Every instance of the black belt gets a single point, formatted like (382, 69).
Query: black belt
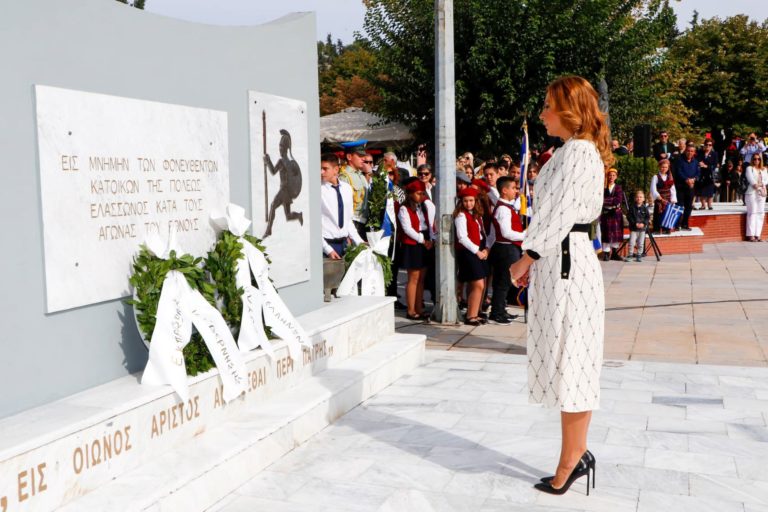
(335, 240)
(565, 258)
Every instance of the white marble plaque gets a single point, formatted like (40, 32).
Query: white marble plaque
(279, 181)
(113, 169)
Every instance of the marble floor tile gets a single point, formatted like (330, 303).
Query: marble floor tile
(410, 500)
(318, 494)
(725, 445)
(648, 439)
(273, 485)
(601, 499)
(748, 432)
(422, 476)
(658, 424)
(714, 413)
(653, 501)
(707, 464)
(646, 409)
(752, 468)
(492, 505)
(252, 503)
(725, 488)
(639, 477)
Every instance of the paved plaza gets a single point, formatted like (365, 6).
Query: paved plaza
(682, 424)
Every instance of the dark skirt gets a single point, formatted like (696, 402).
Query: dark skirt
(414, 257)
(705, 190)
(471, 268)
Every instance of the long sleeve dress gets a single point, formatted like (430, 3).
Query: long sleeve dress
(566, 315)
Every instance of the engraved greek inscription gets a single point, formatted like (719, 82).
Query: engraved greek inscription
(155, 185)
(319, 351)
(69, 163)
(193, 205)
(218, 394)
(101, 449)
(146, 164)
(257, 378)
(186, 224)
(166, 206)
(190, 185)
(30, 482)
(108, 163)
(173, 417)
(284, 366)
(117, 232)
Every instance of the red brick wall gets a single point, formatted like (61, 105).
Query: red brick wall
(716, 228)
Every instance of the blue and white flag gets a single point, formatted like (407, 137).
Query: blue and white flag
(671, 217)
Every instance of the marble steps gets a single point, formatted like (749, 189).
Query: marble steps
(198, 472)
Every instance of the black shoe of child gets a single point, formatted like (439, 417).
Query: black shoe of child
(500, 319)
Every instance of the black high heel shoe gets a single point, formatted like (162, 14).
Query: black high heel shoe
(579, 471)
(586, 463)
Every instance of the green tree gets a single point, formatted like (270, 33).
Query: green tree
(505, 54)
(724, 62)
(139, 4)
(343, 71)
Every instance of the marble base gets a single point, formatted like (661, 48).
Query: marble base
(123, 446)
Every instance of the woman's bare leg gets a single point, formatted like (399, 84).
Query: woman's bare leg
(575, 426)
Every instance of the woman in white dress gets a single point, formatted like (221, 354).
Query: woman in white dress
(754, 197)
(565, 298)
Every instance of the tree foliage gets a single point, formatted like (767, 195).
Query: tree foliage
(139, 4)
(506, 52)
(723, 63)
(343, 71)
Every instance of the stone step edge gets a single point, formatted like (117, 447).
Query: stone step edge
(173, 480)
(316, 322)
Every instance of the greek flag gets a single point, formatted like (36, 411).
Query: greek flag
(525, 157)
(672, 215)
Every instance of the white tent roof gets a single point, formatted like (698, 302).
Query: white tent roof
(354, 124)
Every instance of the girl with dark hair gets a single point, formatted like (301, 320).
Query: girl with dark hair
(471, 251)
(414, 222)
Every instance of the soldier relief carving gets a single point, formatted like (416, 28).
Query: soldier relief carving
(279, 163)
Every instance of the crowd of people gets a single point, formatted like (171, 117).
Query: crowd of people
(489, 227)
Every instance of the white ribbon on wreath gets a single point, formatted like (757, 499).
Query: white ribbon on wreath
(366, 268)
(180, 307)
(262, 300)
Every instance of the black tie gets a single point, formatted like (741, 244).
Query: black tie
(341, 205)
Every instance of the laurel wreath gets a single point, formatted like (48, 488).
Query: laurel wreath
(386, 263)
(213, 277)
(221, 265)
(147, 279)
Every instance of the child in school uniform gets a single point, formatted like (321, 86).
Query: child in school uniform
(506, 249)
(417, 238)
(638, 218)
(471, 252)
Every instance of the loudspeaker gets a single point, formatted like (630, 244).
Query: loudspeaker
(641, 137)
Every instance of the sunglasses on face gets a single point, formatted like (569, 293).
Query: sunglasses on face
(424, 174)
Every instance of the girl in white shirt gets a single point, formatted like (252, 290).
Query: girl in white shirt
(471, 251)
(414, 221)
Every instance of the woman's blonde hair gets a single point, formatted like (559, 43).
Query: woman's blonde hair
(575, 102)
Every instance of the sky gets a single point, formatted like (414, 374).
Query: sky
(342, 18)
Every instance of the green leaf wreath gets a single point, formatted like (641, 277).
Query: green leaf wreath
(377, 201)
(386, 263)
(149, 272)
(221, 264)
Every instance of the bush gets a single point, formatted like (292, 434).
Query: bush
(635, 174)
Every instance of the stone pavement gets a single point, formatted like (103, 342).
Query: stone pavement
(457, 434)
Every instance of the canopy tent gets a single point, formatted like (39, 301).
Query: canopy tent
(354, 123)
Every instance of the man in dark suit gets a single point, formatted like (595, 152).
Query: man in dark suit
(663, 148)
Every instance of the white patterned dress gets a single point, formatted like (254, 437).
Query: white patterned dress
(566, 315)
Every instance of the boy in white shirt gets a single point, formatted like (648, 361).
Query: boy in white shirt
(509, 234)
(336, 208)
